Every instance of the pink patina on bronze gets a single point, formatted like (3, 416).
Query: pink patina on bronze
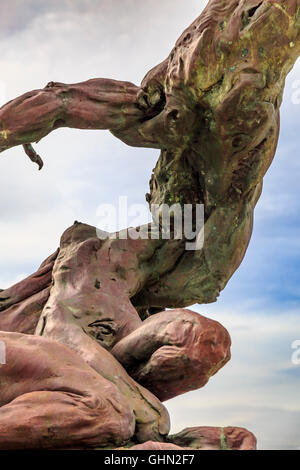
(91, 349)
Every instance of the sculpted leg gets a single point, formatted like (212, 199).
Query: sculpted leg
(174, 352)
(50, 398)
(151, 417)
(60, 420)
(204, 438)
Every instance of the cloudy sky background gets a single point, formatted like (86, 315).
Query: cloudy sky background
(71, 41)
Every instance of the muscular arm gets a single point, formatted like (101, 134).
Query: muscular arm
(95, 104)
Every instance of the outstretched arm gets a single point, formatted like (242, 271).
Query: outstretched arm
(95, 104)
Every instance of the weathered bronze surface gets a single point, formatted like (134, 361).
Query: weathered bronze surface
(91, 350)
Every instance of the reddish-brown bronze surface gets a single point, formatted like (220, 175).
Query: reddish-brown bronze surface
(91, 350)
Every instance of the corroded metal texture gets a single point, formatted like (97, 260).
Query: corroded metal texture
(86, 367)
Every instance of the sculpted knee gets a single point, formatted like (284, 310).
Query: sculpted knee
(174, 351)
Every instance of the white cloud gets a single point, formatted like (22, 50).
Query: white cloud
(258, 389)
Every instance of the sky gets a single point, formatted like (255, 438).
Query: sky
(71, 41)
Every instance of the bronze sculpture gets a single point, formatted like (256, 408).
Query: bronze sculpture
(213, 109)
